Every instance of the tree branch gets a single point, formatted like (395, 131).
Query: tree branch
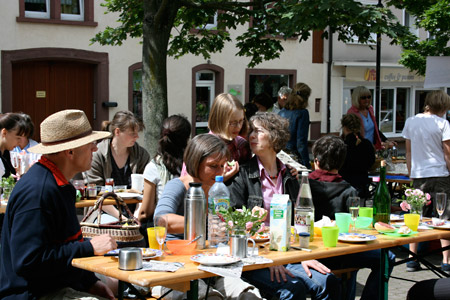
(161, 11)
(229, 6)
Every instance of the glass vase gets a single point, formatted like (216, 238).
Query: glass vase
(417, 209)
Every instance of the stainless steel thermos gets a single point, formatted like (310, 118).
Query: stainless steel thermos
(195, 214)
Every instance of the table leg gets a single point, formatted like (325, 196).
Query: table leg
(384, 274)
(192, 294)
(121, 289)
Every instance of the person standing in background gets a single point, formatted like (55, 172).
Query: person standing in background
(295, 111)
(283, 94)
(263, 101)
(12, 129)
(427, 137)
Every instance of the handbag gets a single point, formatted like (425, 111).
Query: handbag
(125, 232)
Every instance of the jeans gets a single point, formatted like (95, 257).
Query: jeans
(368, 259)
(319, 286)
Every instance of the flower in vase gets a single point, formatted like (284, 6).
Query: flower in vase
(414, 199)
(243, 219)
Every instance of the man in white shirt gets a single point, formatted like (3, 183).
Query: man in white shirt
(428, 158)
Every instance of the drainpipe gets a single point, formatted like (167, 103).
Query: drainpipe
(330, 63)
(377, 79)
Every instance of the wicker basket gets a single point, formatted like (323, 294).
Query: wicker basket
(122, 231)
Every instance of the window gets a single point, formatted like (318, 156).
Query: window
(355, 40)
(37, 9)
(70, 12)
(137, 93)
(394, 108)
(212, 23)
(410, 22)
(204, 91)
(269, 81)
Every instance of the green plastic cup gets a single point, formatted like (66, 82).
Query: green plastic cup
(366, 212)
(330, 236)
(343, 221)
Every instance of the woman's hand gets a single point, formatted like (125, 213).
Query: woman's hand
(314, 264)
(294, 171)
(388, 144)
(230, 170)
(278, 271)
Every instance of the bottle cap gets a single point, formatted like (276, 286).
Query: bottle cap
(305, 173)
(304, 234)
(219, 178)
(383, 163)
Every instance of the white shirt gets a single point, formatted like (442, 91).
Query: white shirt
(426, 133)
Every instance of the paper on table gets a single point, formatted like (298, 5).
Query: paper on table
(161, 266)
(233, 270)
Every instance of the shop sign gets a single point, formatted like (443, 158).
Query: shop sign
(387, 75)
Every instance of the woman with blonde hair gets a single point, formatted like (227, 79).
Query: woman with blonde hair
(295, 111)
(362, 107)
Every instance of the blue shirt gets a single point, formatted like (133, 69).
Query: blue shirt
(369, 127)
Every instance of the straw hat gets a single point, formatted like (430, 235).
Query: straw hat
(66, 129)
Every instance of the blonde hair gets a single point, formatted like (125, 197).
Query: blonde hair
(221, 111)
(298, 98)
(357, 93)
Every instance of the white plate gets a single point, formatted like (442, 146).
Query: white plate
(356, 237)
(213, 259)
(126, 195)
(445, 226)
(259, 238)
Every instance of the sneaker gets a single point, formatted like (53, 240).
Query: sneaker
(445, 268)
(413, 266)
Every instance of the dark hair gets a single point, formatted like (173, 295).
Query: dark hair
(199, 148)
(276, 125)
(330, 152)
(175, 132)
(250, 109)
(123, 120)
(264, 99)
(13, 121)
(352, 122)
(26, 126)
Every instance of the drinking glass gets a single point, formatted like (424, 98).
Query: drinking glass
(354, 210)
(441, 203)
(160, 223)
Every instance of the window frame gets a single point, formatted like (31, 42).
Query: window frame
(411, 18)
(291, 73)
(86, 17)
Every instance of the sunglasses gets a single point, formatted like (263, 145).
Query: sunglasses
(365, 97)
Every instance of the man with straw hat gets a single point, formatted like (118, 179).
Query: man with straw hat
(41, 233)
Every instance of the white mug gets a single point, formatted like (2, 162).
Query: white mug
(137, 182)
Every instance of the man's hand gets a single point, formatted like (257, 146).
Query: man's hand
(103, 243)
(279, 271)
(314, 264)
(102, 290)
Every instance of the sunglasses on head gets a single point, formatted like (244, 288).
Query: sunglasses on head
(365, 97)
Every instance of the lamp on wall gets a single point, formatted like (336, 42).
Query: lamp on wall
(109, 104)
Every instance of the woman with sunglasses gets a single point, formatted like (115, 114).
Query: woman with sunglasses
(362, 107)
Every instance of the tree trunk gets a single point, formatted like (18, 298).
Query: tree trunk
(158, 22)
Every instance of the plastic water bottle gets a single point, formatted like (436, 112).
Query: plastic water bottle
(219, 196)
(304, 209)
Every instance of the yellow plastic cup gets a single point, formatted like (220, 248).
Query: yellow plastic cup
(330, 236)
(412, 221)
(152, 242)
(366, 212)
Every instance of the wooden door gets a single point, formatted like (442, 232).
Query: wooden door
(43, 87)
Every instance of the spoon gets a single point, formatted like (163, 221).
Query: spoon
(199, 236)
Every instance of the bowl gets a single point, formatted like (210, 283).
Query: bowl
(363, 222)
(181, 247)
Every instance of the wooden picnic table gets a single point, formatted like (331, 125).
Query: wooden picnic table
(91, 202)
(185, 278)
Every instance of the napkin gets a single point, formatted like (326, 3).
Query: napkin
(161, 266)
(324, 222)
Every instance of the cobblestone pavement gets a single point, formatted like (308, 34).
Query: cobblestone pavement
(401, 281)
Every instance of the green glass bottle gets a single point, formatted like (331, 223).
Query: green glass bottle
(382, 198)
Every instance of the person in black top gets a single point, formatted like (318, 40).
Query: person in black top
(12, 128)
(360, 155)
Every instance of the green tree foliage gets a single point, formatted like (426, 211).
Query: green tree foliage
(434, 17)
(166, 29)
